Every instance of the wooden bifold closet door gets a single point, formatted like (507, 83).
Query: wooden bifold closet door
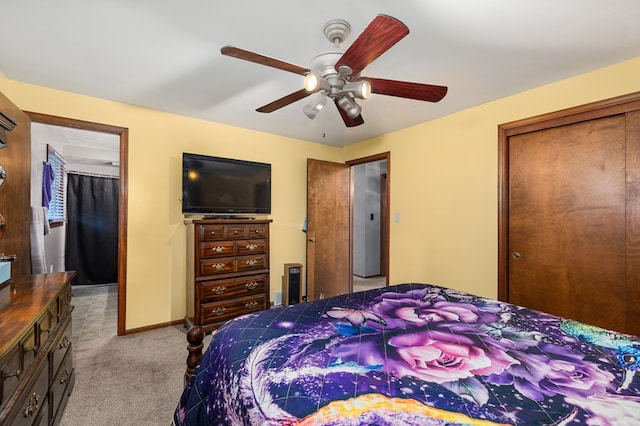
(569, 226)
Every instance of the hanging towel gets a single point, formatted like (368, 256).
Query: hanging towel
(39, 227)
(47, 182)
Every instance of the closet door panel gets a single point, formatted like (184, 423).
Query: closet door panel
(567, 221)
(633, 223)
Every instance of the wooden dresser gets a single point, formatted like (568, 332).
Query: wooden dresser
(227, 270)
(36, 370)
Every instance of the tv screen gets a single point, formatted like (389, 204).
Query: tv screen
(225, 186)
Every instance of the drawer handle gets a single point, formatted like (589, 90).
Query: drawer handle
(252, 246)
(217, 266)
(218, 249)
(213, 232)
(64, 343)
(65, 377)
(257, 231)
(218, 311)
(17, 374)
(218, 290)
(32, 406)
(252, 285)
(252, 262)
(33, 349)
(235, 232)
(251, 305)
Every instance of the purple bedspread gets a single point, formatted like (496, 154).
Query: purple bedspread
(413, 354)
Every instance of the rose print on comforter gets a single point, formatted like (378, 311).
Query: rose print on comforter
(413, 354)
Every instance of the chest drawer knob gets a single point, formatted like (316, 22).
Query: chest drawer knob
(251, 285)
(218, 311)
(218, 290)
(17, 374)
(65, 377)
(251, 305)
(34, 349)
(252, 262)
(217, 266)
(218, 249)
(252, 246)
(32, 406)
(64, 343)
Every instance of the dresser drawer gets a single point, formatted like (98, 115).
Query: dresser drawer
(227, 289)
(34, 401)
(222, 311)
(211, 232)
(249, 263)
(10, 372)
(29, 347)
(217, 266)
(258, 230)
(61, 347)
(210, 250)
(62, 383)
(234, 232)
(251, 247)
(64, 304)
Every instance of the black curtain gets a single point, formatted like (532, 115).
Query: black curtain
(92, 229)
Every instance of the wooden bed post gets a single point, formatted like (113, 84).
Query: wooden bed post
(195, 336)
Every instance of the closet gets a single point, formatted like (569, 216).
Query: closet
(569, 213)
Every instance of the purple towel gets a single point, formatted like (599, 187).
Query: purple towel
(47, 181)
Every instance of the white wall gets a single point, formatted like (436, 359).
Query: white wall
(366, 242)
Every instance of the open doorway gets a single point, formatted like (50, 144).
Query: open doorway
(369, 179)
(95, 154)
(330, 226)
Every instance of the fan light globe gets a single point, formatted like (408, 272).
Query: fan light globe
(313, 108)
(311, 82)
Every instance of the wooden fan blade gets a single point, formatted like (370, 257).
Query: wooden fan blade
(348, 121)
(381, 33)
(405, 89)
(284, 101)
(263, 60)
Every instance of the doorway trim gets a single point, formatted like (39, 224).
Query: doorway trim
(594, 110)
(123, 134)
(385, 245)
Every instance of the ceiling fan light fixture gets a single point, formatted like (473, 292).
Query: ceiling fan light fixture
(349, 105)
(315, 106)
(314, 83)
(358, 89)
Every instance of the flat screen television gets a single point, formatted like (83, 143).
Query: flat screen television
(224, 186)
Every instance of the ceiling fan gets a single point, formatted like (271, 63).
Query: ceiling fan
(336, 74)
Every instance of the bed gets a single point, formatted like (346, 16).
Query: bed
(412, 354)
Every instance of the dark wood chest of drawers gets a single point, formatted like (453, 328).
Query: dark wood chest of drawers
(36, 364)
(227, 271)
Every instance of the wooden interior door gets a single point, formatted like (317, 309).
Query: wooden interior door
(569, 213)
(15, 201)
(567, 221)
(329, 267)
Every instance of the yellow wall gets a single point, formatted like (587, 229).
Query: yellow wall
(156, 268)
(443, 185)
(444, 180)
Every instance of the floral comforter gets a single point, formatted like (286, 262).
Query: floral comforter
(413, 354)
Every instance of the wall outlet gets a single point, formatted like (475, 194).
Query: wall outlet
(277, 298)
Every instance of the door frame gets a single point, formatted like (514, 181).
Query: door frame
(384, 247)
(594, 110)
(123, 134)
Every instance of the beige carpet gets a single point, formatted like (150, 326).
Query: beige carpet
(128, 380)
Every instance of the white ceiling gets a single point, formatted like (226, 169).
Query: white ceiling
(165, 55)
